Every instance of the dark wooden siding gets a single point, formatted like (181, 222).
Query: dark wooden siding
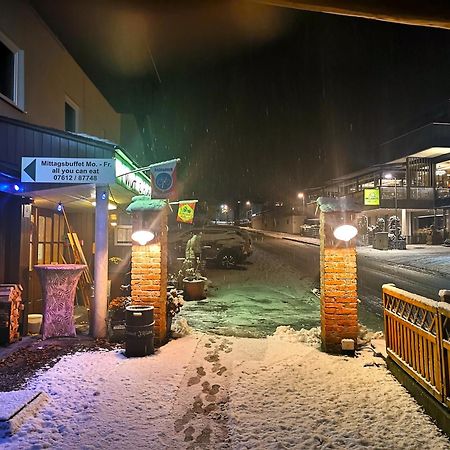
(10, 214)
(19, 139)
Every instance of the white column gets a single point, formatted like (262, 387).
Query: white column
(406, 223)
(99, 306)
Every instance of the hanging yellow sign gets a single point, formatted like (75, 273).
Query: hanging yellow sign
(372, 197)
(186, 212)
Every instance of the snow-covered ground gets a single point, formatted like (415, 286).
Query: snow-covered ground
(254, 299)
(424, 258)
(205, 391)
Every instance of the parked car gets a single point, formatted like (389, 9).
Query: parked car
(224, 245)
(310, 228)
(248, 250)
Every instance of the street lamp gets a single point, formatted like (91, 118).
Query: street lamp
(389, 176)
(301, 196)
(224, 210)
(248, 203)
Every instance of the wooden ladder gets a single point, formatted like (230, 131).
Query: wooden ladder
(86, 282)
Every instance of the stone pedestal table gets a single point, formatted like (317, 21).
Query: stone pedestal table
(59, 284)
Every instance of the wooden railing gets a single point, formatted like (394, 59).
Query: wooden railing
(444, 326)
(417, 332)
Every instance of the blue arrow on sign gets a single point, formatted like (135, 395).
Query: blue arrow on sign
(30, 170)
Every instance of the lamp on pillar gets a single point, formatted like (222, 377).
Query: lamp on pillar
(345, 232)
(149, 259)
(143, 237)
(338, 281)
(143, 227)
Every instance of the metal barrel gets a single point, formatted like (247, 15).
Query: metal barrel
(139, 335)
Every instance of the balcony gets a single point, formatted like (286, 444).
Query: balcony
(442, 197)
(419, 197)
(388, 193)
(421, 193)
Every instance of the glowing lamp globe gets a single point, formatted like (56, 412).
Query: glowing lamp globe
(142, 237)
(345, 232)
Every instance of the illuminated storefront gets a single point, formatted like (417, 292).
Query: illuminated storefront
(35, 217)
(415, 185)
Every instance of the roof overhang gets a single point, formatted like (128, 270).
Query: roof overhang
(79, 198)
(413, 12)
(430, 141)
(36, 141)
(432, 152)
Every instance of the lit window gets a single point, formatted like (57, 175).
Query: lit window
(442, 175)
(70, 116)
(11, 72)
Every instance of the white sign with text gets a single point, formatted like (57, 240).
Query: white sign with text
(68, 170)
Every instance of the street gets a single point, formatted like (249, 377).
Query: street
(420, 270)
(275, 285)
(423, 271)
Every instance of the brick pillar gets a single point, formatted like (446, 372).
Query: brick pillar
(338, 285)
(149, 275)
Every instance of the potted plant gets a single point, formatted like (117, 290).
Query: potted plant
(194, 285)
(190, 279)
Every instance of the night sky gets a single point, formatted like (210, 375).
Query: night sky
(267, 120)
(306, 108)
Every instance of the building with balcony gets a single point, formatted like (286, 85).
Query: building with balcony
(414, 184)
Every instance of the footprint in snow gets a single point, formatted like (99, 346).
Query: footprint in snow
(197, 406)
(210, 408)
(204, 437)
(193, 380)
(221, 370)
(189, 434)
(187, 417)
(214, 389)
(214, 357)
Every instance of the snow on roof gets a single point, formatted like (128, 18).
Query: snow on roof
(94, 138)
(332, 204)
(145, 203)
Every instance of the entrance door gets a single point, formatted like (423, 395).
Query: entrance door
(46, 247)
